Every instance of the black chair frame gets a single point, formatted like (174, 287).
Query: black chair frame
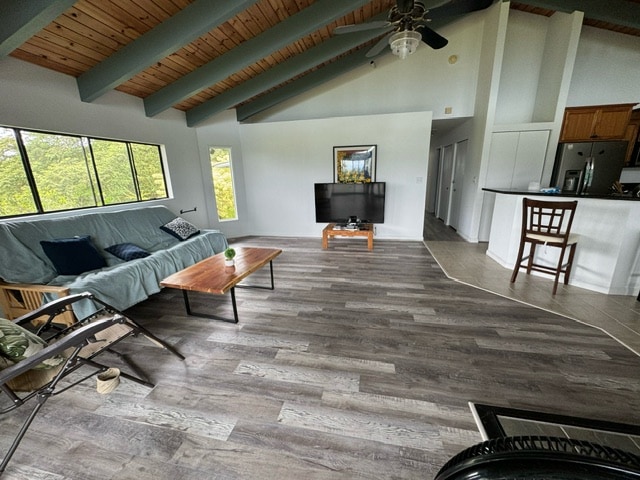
(75, 338)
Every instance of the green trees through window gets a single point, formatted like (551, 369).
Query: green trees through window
(223, 183)
(15, 192)
(46, 172)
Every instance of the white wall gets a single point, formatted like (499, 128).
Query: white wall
(477, 130)
(521, 66)
(371, 104)
(224, 131)
(607, 69)
(275, 164)
(425, 81)
(36, 98)
(282, 161)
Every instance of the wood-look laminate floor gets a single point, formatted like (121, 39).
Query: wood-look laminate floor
(358, 365)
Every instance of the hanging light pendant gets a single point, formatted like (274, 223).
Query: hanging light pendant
(404, 43)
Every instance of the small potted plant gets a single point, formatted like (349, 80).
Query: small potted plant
(229, 255)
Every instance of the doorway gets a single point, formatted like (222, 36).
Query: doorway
(457, 183)
(444, 184)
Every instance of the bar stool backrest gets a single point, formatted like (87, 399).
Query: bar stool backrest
(548, 218)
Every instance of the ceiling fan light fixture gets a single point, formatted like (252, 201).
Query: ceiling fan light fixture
(404, 43)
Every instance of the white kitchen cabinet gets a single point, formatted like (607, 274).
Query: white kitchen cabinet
(516, 158)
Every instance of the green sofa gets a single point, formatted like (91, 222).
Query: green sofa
(28, 273)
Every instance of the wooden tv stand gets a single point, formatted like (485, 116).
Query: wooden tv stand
(364, 230)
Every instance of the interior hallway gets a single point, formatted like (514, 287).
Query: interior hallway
(617, 315)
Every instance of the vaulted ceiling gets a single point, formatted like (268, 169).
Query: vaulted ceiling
(206, 56)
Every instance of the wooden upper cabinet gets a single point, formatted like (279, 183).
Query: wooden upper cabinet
(599, 122)
(578, 124)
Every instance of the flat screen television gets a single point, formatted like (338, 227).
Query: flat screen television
(341, 202)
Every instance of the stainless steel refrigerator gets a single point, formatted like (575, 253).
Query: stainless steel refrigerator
(588, 167)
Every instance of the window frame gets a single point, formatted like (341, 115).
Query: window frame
(233, 183)
(93, 178)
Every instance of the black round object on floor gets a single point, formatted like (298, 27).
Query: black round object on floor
(541, 458)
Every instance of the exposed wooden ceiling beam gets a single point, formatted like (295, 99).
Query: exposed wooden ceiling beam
(251, 51)
(169, 36)
(280, 73)
(619, 12)
(315, 79)
(309, 81)
(21, 19)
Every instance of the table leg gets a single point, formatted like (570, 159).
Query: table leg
(187, 306)
(272, 287)
(186, 302)
(233, 303)
(232, 292)
(271, 272)
(370, 240)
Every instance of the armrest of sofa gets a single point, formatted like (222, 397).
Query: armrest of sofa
(18, 299)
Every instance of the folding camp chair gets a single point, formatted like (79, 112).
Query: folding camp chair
(59, 351)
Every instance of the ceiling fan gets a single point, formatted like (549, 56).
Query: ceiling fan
(408, 21)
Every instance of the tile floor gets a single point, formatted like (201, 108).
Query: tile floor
(617, 315)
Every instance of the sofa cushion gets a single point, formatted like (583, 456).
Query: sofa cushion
(22, 259)
(127, 251)
(73, 256)
(124, 284)
(121, 283)
(18, 343)
(180, 228)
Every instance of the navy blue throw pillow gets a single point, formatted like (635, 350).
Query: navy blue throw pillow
(127, 251)
(73, 256)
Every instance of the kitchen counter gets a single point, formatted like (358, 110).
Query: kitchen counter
(608, 255)
(611, 196)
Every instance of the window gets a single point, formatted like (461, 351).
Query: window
(114, 168)
(44, 172)
(223, 183)
(15, 191)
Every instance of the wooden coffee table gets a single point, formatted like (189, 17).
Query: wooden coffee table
(212, 276)
(365, 230)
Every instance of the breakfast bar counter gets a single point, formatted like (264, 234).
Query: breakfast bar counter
(608, 255)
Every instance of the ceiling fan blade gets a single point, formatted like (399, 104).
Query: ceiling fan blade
(432, 38)
(459, 7)
(378, 47)
(359, 27)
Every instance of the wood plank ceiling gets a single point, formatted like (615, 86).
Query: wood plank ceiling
(216, 68)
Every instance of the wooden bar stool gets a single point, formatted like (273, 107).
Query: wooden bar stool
(547, 223)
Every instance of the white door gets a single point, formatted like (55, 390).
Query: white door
(457, 183)
(444, 185)
(432, 181)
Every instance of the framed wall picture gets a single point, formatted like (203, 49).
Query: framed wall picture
(354, 164)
